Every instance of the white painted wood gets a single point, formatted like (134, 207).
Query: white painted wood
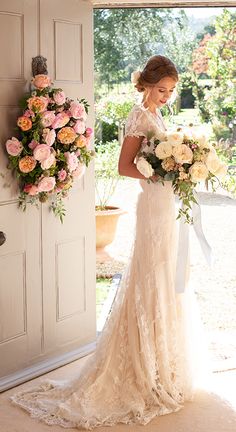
(69, 249)
(47, 270)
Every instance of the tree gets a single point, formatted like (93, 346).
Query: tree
(125, 38)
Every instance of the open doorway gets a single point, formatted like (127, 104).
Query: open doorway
(202, 43)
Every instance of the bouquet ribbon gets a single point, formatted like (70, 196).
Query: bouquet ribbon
(183, 247)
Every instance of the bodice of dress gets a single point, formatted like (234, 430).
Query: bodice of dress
(142, 122)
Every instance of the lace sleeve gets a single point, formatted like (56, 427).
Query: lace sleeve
(137, 123)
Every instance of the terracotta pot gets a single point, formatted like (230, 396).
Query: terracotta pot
(106, 223)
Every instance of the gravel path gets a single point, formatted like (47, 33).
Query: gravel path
(215, 287)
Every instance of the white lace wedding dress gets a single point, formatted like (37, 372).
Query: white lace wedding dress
(148, 361)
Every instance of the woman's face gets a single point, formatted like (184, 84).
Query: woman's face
(161, 93)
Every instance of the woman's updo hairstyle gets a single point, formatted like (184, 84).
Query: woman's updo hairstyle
(157, 67)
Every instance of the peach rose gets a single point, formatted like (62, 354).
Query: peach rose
(66, 135)
(41, 81)
(81, 141)
(24, 123)
(27, 164)
(60, 121)
(42, 152)
(14, 147)
(46, 184)
(38, 103)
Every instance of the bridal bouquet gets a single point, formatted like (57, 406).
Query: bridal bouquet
(52, 145)
(184, 157)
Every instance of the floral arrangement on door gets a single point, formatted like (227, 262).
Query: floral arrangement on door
(52, 147)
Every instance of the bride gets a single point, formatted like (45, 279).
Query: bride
(148, 361)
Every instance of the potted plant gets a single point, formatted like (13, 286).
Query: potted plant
(106, 181)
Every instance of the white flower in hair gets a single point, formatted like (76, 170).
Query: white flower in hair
(135, 76)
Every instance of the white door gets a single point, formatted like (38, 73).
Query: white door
(47, 270)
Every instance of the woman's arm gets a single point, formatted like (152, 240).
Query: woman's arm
(129, 150)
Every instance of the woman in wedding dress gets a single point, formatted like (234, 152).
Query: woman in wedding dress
(148, 361)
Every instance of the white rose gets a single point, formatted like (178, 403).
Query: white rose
(135, 76)
(198, 172)
(175, 138)
(163, 150)
(182, 154)
(212, 162)
(221, 171)
(144, 167)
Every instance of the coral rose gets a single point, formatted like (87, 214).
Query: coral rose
(38, 103)
(46, 184)
(66, 135)
(27, 164)
(81, 141)
(14, 147)
(41, 81)
(24, 123)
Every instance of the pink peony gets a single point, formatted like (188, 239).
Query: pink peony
(14, 147)
(49, 136)
(77, 110)
(29, 113)
(79, 171)
(59, 97)
(33, 144)
(88, 132)
(72, 161)
(62, 175)
(46, 184)
(61, 120)
(79, 127)
(42, 152)
(48, 118)
(47, 163)
(41, 81)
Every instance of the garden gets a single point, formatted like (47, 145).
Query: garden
(205, 56)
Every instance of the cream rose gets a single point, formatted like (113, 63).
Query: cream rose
(198, 172)
(182, 154)
(163, 150)
(221, 171)
(144, 167)
(175, 138)
(212, 162)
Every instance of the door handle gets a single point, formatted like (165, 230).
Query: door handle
(2, 238)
